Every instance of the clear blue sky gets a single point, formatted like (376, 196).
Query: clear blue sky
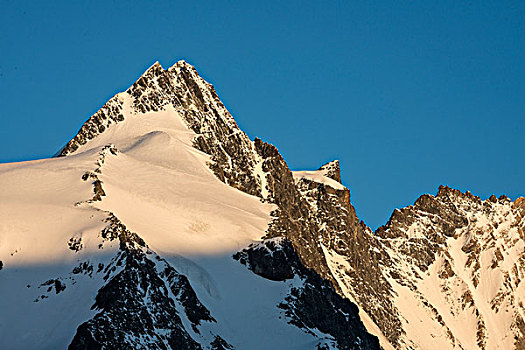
(407, 94)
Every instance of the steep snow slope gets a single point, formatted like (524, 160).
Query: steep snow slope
(183, 207)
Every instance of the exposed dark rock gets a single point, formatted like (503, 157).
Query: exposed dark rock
(98, 190)
(135, 302)
(339, 230)
(446, 271)
(180, 87)
(293, 218)
(275, 259)
(54, 283)
(220, 344)
(440, 209)
(117, 230)
(59, 286)
(503, 198)
(132, 306)
(315, 305)
(75, 243)
(234, 159)
(181, 288)
(99, 122)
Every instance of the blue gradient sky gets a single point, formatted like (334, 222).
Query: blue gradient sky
(407, 95)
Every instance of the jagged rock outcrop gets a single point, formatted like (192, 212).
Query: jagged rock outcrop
(332, 170)
(139, 291)
(256, 168)
(137, 307)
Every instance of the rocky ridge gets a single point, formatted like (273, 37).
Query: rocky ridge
(473, 252)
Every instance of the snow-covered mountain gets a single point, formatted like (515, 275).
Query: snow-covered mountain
(161, 225)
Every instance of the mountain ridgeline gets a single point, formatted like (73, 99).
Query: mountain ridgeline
(286, 264)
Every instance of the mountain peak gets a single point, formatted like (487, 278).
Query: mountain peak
(155, 69)
(156, 65)
(181, 63)
(156, 89)
(332, 170)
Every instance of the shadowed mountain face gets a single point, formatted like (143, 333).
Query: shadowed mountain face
(173, 230)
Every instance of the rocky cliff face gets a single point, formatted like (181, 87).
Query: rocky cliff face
(443, 273)
(450, 269)
(341, 234)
